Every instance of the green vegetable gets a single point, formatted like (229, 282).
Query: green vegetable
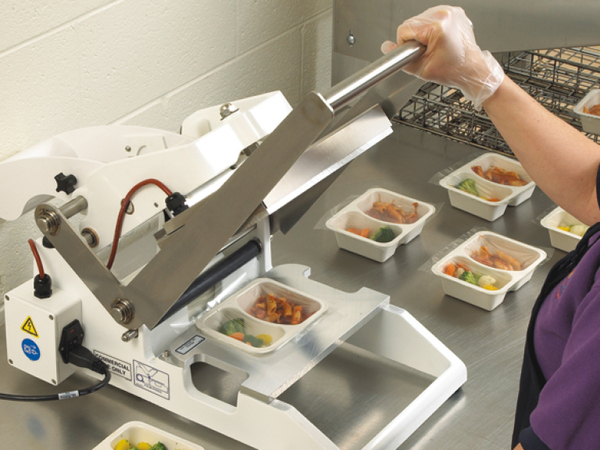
(384, 234)
(158, 446)
(254, 341)
(468, 185)
(233, 326)
(468, 277)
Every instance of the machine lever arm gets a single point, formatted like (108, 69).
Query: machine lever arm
(207, 226)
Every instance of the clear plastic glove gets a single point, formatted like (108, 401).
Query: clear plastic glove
(452, 57)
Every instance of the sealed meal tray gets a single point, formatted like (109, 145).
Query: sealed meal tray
(588, 110)
(485, 267)
(261, 317)
(564, 229)
(377, 222)
(142, 436)
(488, 184)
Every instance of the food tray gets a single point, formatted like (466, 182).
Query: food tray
(589, 122)
(561, 239)
(238, 304)
(506, 195)
(507, 280)
(136, 432)
(354, 216)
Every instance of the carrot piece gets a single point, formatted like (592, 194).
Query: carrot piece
(450, 269)
(239, 336)
(353, 230)
(365, 232)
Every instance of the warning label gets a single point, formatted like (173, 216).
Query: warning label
(151, 379)
(116, 366)
(29, 328)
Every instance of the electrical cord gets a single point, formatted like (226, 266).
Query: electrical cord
(36, 256)
(123, 210)
(81, 357)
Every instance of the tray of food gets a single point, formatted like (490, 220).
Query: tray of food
(588, 110)
(261, 317)
(564, 229)
(377, 222)
(137, 435)
(485, 267)
(488, 184)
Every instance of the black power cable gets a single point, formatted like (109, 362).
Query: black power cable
(72, 352)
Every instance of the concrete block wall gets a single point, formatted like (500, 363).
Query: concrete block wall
(74, 63)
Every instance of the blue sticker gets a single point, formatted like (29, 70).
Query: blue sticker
(31, 350)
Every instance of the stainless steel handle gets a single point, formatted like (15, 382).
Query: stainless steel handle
(344, 92)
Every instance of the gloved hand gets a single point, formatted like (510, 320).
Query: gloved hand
(452, 57)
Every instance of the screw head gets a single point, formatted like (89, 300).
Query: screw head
(122, 310)
(350, 39)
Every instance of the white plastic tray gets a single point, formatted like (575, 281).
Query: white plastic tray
(136, 432)
(589, 122)
(507, 280)
(238, 304)
(561, 239)
(506, 195)
(354, 216)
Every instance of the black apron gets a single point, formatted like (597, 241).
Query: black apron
(532, 379)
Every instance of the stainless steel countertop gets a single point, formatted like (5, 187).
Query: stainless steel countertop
(479, 415)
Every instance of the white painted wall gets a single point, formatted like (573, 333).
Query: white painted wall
(69, 64)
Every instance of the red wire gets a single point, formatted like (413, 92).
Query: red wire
(37, 258)
(121, 216)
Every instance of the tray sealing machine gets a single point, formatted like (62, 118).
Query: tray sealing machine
(248, 169)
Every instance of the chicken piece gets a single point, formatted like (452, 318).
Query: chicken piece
(513, 262)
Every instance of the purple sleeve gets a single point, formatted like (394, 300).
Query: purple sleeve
(568, 412)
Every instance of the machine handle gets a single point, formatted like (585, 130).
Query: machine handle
(344, 92)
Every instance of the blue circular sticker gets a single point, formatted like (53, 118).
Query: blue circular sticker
(31, 350)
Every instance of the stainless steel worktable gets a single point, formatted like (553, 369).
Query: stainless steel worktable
(490, 343)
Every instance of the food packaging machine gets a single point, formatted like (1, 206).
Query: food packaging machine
(150, 311)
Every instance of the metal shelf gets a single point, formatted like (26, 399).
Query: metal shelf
(557, 78)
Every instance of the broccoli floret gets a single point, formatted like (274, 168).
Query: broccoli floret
(233, 326)
(384, 234)
(254, 341)
(158, 446)
(468, 277)
(468, 185)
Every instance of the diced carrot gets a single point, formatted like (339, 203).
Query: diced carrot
(353, 230)
(239, 336)
(365, 232)
(450, 269)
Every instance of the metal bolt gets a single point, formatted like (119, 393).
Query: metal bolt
(128, 148)
(227, 109)
(6, 297)
(91, 237)
(122, 310)
(350, 39)
(48, 222)
(129, 335)
(51, 317)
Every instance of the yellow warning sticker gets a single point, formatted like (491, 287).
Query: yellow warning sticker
(29, 327)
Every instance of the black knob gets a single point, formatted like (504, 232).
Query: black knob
(65, 183)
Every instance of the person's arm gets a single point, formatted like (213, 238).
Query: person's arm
(559, 158)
